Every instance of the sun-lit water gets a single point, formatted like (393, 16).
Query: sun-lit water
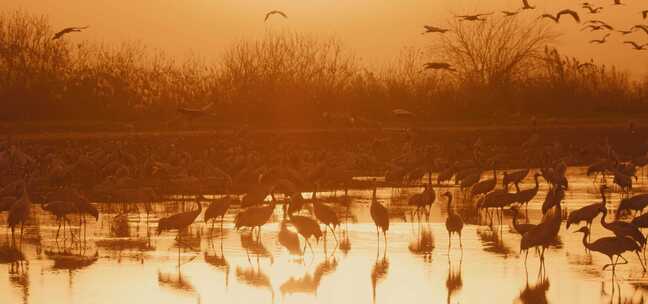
(207, 266)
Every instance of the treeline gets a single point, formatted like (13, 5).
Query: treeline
(285, 79)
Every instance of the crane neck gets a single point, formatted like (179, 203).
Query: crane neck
(585, 243)
(537, 184)
(603, 216)
(495, 175)
(604, 199)
(450, 204)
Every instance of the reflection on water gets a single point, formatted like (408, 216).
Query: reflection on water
(130, 264)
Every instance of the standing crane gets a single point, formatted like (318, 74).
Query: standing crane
(380, 217)
(635, 203)
(611, 246)
(60, 209)
(454, 223)
(520, 228)
(325, 214)
(307, 228)
(19, 213)
(485, 186)
(217, 208)
(525, 196)
(587, 213)
(255, 217)
(179, 221)
(623, 229)
(515, 178)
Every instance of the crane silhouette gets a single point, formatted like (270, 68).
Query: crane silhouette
(380, 217)
(60, 209)
(454, 223)
(638, 47)
(307, 228)
(438, 66)
(484, 186)
(611, 246)
(561, 13)
(597, 27)
(623, 229)
(640, 27)
(275, 12)
(515, 178)
(433, 29)
(525, 5)
(217, 208)
(255, 217)
(19, 212)
(475, 17)
(68, 30)
(525, 196)
(289, 239)
(179, 221)
(634, 204)
(593, 10)
(600, 41)
(520, 227)
(325, 214)
(588, 213)
(510, 14)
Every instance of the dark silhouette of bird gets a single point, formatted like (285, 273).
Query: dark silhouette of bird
(68, 30)
(510, 14)
(597, 27)
(644, 14)
(623, 229)
(636, 46)
(635, 203)
(19, 213)
(618, 2)
(520, 228)
(561, 13)
(438, 66)
(611, 246)
(525, 196)
(640, 221)
(600, 41)
(193, 113)
(454, 223)
(289, 239)
(60, 209)
(179, 221)
(640, 27)
(307, 228)
(434, 29)
(594, 10)
(587, 213)
(515, 178)
(624, 32)
(380, 217)
(475, 17)
(325, 214)
(554, 196)
(525, 5)
(275, 12)
(585, 65)
(544, 234)
(484, 186)
(217, 208)
(255, 217)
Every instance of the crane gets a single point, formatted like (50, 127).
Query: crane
(611, 246)
(454, 223)
(325, 214)
(587, 213)
(380, 217)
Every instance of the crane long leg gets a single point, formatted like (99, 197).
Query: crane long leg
(333, 232)
(449, 239)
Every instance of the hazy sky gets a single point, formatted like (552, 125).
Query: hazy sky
(375, 30)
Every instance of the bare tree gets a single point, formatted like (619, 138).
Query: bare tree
(495, 52)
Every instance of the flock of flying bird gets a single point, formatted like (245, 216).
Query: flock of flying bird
(591, 25)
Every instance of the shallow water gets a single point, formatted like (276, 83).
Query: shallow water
(207, 266)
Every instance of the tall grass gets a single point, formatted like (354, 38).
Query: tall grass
(291, 79)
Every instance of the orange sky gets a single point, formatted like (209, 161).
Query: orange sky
(376, 30)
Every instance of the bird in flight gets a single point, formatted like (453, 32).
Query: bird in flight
(509, 14)
(640, 27)
(68, 30)
(644, 13)
(563, 12)
(476, 17)
(594, 10)
(618, 2)
(636, 46)
(594, 27)
(600, 41)
(275, 12)
(433, 29)
(438, 66)
(624, 32)
(525, 5)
